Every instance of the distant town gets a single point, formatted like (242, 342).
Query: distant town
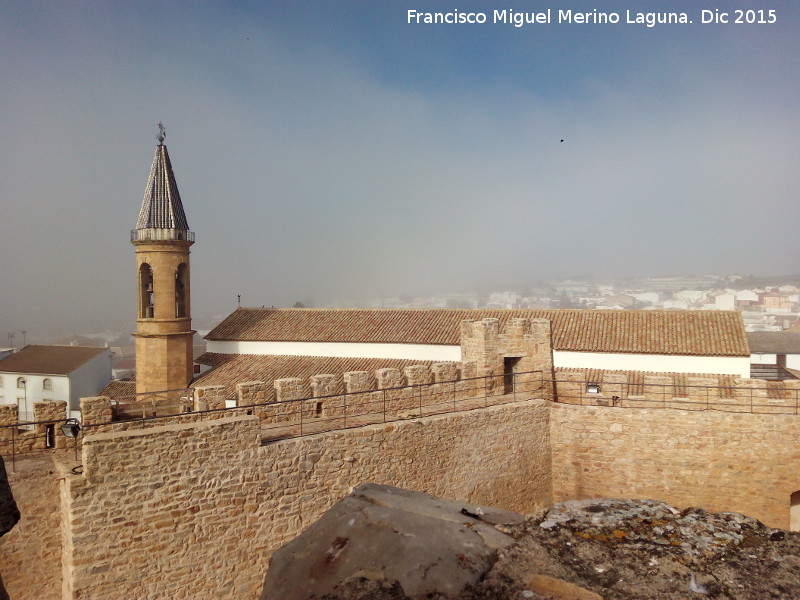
(766, 303)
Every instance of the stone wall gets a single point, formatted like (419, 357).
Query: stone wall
(194, 510)
(44, 435)
(720, 461)
(417, 389)
(30, 554)
(525, 346)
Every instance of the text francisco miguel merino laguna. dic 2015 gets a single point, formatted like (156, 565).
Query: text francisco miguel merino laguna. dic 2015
(593, 17)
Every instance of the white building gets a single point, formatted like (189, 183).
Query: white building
(41, 373)
(690, 295)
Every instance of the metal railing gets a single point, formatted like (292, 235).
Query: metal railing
(152, 404)
(305, 416)
(312, 415)
(777, 400)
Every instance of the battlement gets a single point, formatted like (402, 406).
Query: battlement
(682, 391)
(44, 432)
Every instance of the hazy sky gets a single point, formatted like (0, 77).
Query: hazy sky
(331, 151)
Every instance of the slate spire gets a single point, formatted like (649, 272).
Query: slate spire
(161, 206)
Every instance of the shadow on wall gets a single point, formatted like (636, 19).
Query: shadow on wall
(9, 514)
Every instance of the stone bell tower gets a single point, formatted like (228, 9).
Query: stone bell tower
(164, 325)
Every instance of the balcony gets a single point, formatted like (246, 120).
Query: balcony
(158, 234)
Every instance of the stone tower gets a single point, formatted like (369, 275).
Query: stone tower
(164, 324)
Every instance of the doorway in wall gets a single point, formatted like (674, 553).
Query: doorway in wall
(794, 512)
(510, 366)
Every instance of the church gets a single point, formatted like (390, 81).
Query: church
(268, 344)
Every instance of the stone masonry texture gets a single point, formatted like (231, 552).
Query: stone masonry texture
(30, 554)
(720, 461)
(195, 510)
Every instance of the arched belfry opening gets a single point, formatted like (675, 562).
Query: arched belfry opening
(146, 295)
(181, 290)
(794, 511)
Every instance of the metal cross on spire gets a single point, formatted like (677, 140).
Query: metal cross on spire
(162, 133)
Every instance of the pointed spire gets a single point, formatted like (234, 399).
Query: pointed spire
(162, 207)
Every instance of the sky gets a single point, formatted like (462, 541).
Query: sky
(334, 153)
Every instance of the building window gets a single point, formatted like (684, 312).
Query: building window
(1, 382)
(146, 298)
(47, 384)
(21, 382)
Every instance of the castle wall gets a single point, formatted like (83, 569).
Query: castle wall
(194, 510)
(721, 461)
(30, 554)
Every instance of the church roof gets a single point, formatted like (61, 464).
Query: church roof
(699, 333)
(161, 206)
(774, 342)
(49, 360)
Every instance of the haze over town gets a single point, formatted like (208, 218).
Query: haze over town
(333, 153)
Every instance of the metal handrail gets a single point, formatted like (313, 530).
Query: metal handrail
(353, 409)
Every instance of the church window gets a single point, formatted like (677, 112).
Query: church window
(181, 281)
(47, 384)
(21, 382)
(146, 297)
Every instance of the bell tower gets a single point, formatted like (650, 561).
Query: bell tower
(162, 239)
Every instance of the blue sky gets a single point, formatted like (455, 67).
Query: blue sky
(331, 151)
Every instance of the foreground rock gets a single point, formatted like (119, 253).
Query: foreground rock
(420, 546)
(410, 543)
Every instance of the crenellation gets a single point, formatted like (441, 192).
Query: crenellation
(389, 378)
(9, 415)
(209, 397)
(291, 388)
(418, 375)
(467, 386)
(95, 410)
(326, 385)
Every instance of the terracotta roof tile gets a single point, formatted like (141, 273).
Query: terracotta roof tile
(230, 369)
(774, 342)
(49, 360)
(117, 388)
(702, 333)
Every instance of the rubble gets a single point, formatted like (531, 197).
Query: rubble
(599, 549)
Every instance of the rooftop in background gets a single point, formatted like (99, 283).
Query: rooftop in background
(49, 360)
(774, 342)
(699, 333)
